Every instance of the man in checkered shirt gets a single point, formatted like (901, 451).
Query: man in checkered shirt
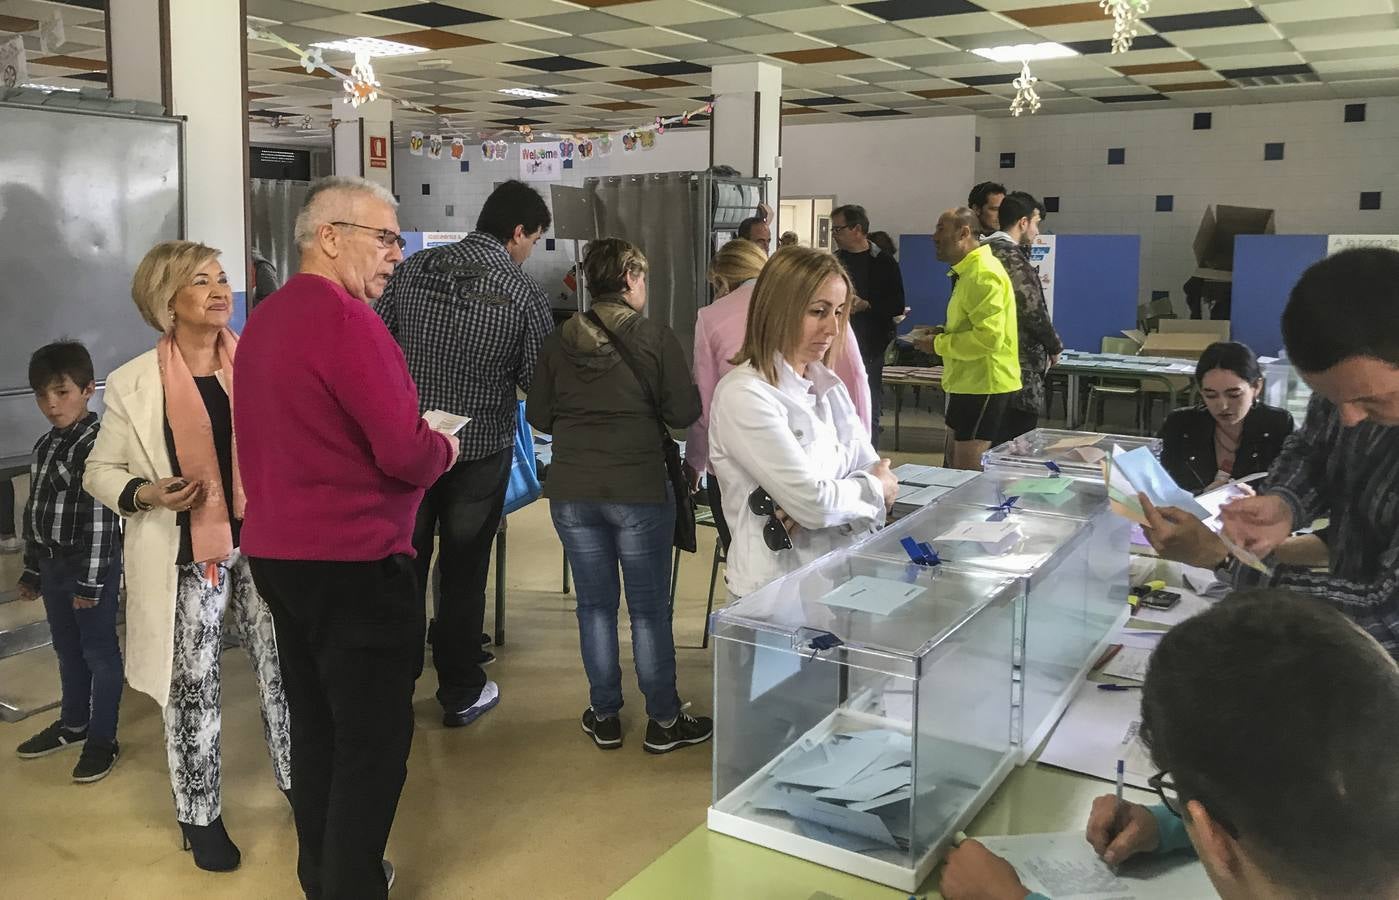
(470, 322)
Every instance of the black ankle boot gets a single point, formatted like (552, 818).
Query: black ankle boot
(213, 850)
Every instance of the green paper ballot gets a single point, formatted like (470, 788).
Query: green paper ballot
(1039, 486)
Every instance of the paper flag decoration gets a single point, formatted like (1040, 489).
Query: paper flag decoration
(648, 139)
(51, 34)
(14, 65)
(566, 149)
(434, 146)
(458, 147)
(585, 149)
(604, 145)
(415, 143)
(629, 141)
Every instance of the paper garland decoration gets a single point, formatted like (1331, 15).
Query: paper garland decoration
(14, 64)
(434, 146)
(458, 147)
(648, 139)
(51, 33)
(585, 149)
(494, 150)
(604, 145)
(415, 143)
(566, 149)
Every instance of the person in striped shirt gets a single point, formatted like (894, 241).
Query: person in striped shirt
(1341, 330)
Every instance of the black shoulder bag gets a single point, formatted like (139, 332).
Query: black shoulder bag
(685, 536)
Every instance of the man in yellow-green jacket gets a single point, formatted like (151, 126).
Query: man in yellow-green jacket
(979, 344)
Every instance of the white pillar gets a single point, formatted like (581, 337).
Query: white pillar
(746, 130)
(363, 141)
(191, 57)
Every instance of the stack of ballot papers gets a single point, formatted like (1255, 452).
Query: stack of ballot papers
(851, 790)
(444, 422)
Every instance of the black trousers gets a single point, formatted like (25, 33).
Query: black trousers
(1015, 422)
(716, 506)
(874, 371)
(464, 509)
(350, 639)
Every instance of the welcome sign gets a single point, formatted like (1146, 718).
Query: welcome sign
(540, 163)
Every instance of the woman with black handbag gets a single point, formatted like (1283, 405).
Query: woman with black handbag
(609, 385)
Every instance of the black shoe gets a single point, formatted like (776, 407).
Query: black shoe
(684, 731)
(214, 850)
(388, 876)
(97, 760)
(485, 659)
(606, 733)
(51, 740)
(485, 639)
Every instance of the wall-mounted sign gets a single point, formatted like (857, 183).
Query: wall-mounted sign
(279, 163)
(1042, 258)
(1335, 243)
(540, 163)
(378, 152)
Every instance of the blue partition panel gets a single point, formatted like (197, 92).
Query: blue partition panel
(1095, 291)
(412, 242)
(240, 312)
(1266, 266)
(926, 285)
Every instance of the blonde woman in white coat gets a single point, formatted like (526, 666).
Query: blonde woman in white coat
(799, 473)
(165, 462)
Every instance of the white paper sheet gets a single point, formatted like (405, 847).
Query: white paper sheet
(879, 596)
(444, 422)
(994, 537)
(1072, 441)
(1063, 866)
(1098, 729)
(1128, 663)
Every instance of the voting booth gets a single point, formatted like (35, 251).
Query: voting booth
(868, 705)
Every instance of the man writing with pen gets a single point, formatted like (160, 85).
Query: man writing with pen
(1273, 721)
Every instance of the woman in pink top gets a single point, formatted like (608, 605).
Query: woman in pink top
(718, 339)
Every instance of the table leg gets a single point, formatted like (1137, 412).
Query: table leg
(898, 409)
(1071, 401)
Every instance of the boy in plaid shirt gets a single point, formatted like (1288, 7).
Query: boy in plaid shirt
(72, 558)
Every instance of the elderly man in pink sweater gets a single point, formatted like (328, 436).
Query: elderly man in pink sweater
(334, 459)
(719, 336)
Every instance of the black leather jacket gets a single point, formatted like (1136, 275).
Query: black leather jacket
(1187, 444)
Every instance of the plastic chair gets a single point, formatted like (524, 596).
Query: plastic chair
(1102, 389)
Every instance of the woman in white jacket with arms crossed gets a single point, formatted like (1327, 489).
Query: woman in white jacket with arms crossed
(784, 431)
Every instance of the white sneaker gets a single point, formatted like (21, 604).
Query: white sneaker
(490, 696)
(11, 545)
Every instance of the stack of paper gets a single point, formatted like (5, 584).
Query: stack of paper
(994, 537)
(444, 422)
(846, 791)
(1064, 866)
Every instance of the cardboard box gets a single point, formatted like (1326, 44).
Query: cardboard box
(1179, 345)
(1214, 241)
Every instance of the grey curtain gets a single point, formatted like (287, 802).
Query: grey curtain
(274, 208)
(665, 215)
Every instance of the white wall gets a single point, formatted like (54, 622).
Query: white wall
(1315, 188)
(904, 173)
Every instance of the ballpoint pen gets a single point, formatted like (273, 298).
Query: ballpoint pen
(1119, 687)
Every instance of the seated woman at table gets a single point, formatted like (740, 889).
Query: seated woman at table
(1301, 801)
(1231, 433)
(799, 472)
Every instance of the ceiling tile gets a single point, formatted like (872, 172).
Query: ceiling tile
(651, 84)
(427, 15)
(862, 34)
(434, 39)
(900, 10)
(945, 26)
(1192, 86)
(943, 93)
(585, 22)
(778, 45)
(725, 29)
(568, 46)
(1197, 21)
(816, 18)
(645, 38)
(822, 55)
(1142, 42)
(553, 64)
(1036, 17)
(670, 12)
(354, 26)
(671, 68)
(1162, 68)
(502, 31)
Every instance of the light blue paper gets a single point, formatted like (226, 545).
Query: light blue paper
(848, 760)
(870, 786)
(1146, 475)
(773, 663)
(879, 596)
(898, 796)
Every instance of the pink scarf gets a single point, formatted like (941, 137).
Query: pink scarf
(210, 531)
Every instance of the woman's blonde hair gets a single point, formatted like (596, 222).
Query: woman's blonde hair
(736, 262)
(607, 262)
(784, 290)
(168, 267)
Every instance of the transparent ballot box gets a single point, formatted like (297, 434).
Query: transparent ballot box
(1069, 568)
(863, 711)
(1077, 454)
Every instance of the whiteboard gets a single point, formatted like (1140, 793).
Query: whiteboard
(83, 196)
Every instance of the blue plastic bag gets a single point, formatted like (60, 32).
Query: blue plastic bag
(524, 487)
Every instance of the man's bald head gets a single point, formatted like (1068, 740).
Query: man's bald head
(957, 234)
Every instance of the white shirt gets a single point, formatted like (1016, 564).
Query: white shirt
(803, 442)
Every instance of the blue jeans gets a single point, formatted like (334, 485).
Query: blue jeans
(598, 537)
(85, 640)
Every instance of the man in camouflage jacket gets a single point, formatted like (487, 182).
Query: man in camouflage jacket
(1040, 345)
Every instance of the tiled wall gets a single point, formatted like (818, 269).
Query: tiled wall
(1171, 169)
